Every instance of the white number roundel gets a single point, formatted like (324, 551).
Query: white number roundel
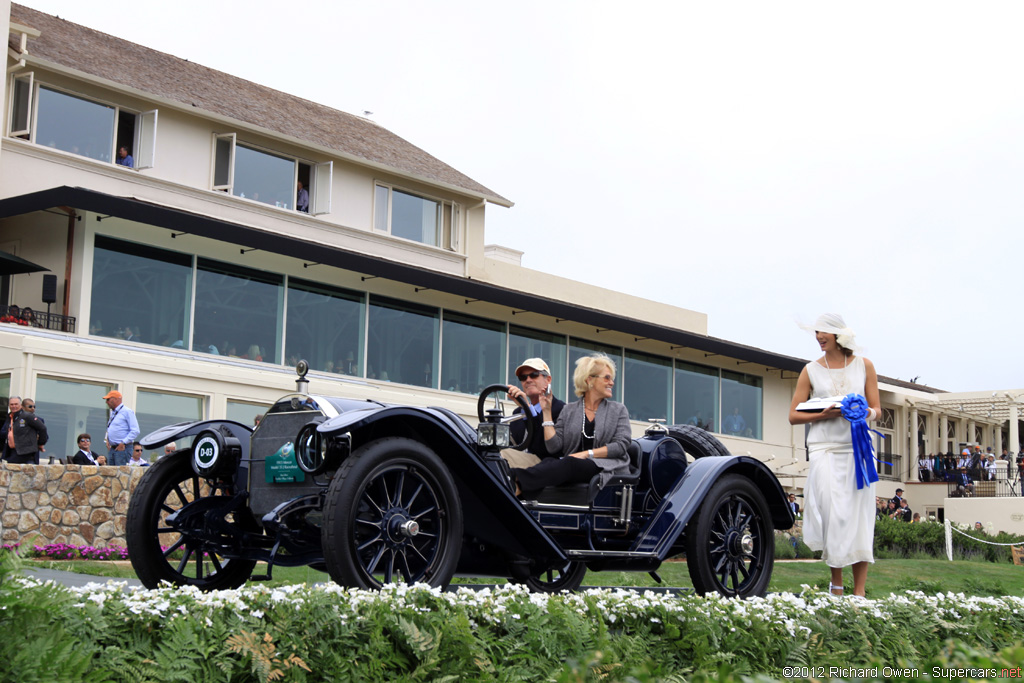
(205, 453)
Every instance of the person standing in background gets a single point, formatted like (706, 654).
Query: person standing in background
(122, 429)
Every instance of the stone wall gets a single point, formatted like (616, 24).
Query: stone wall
(78, 505)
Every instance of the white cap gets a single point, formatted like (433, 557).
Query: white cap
(534, 364)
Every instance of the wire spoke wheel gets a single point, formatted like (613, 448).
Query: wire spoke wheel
(182, 552)
(556, 579)
(392, 515)
(730, 542)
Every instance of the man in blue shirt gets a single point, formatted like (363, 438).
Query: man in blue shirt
(122, 430)
(124, 158)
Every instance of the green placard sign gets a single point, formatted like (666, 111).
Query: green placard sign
(281, 467)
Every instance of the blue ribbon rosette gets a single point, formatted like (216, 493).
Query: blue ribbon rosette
(855, 410)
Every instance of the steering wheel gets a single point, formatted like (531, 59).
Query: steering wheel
(523, 404)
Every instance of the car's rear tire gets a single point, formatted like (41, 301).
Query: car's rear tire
(392, 514)
(567, 578)
(730, 541)
(167, 486)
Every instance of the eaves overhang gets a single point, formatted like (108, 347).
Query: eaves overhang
(132, 209)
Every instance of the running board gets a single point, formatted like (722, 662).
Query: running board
(609, 554)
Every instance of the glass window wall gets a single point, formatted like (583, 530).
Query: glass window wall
(524, 343)
(75, 125)
(239, 312)
(245, 412)
(696, 396)
(325, 326)
(579, 348)
(403, 342)
(140, 293)
(472, 353)
(69, 409)
(741, 404)
(155, 410)
(264, 177)
(648, 386)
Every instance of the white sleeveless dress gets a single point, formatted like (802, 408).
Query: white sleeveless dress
(839, 518)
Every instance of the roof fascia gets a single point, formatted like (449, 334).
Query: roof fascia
(241, 125)
(178, 220)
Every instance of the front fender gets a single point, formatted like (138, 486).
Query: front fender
(679, 506)
(165, 435)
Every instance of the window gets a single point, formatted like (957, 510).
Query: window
(696, 396)
(21, 105)
(140, 293)
(579, 348)
(472, 353)
(524, 343)
(5, 386)
(648, 386)
(741, 404)
(82, 126)
(245, 412)
(74, 124)
(251, 173)
(403, 341)
(413, 217)
(238, 312)
(325, 327)
(71, 408)
(155, 409)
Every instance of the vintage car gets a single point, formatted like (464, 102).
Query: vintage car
(374, 493)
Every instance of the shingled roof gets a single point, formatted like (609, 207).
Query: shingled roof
(104, 56)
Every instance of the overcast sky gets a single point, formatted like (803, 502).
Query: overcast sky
(759, 162)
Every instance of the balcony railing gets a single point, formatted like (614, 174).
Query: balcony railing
(27, 317)
(991, 488)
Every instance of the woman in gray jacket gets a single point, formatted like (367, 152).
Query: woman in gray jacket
(592, 434)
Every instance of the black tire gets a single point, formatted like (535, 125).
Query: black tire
(165, 488)
(392, 514)
(730, 542)
(697, 442)
(568, 578)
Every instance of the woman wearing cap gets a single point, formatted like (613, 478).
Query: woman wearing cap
(839, 517)
(591, 434)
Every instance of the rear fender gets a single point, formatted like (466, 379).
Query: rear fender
(491, 511)
(670, 518)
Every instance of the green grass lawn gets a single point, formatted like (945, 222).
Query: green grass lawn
(884, 577)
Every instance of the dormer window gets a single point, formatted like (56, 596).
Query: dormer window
(415, 217)
(260, 175)
(79, 125)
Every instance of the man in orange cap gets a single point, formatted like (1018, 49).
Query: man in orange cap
(122, 429)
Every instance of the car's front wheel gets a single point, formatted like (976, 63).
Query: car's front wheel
(730, 542)
(392, 514)
(185, 554)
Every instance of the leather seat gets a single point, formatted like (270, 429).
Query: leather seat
(584, 493)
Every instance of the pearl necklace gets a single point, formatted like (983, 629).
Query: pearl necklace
(583, 429)
(841, 388)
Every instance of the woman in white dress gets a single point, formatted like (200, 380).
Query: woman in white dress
(839, 518)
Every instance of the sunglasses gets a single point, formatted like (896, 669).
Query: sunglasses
(28, 405)
(529, 375)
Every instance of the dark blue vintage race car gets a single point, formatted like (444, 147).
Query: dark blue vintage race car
(375, 493)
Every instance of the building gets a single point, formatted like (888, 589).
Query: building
(254, 228)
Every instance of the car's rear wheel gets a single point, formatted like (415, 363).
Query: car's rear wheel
(567, 578)
(160, 552)
(730, 542)
(392, 514)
